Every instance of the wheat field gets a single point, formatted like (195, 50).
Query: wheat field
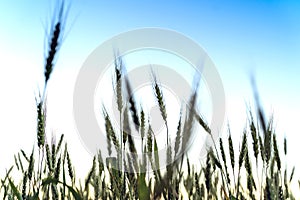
(256, 170)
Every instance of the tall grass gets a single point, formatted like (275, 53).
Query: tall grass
(221, 176)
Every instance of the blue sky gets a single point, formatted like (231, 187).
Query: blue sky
(241, 37)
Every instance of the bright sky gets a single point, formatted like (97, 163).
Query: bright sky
(241, 37)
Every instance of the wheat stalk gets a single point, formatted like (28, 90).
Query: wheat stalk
(254, 138)
(161, 103)
(208, 175)
(178, 138)
(276, 153)
(55, 34)
(132, 104)
(243, 150)
(231, 153)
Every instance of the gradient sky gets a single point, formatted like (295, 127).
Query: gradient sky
(241, 37)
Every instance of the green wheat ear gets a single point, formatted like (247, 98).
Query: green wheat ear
(118, 72)
(207, 172)
(178, 137)
(132, 104)
(160, 100)
(70, 168)
(243, 150)
(276, 153)
(143, 124)
(41, 123)
(54, 41)
(253, 131)
(111, 133)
